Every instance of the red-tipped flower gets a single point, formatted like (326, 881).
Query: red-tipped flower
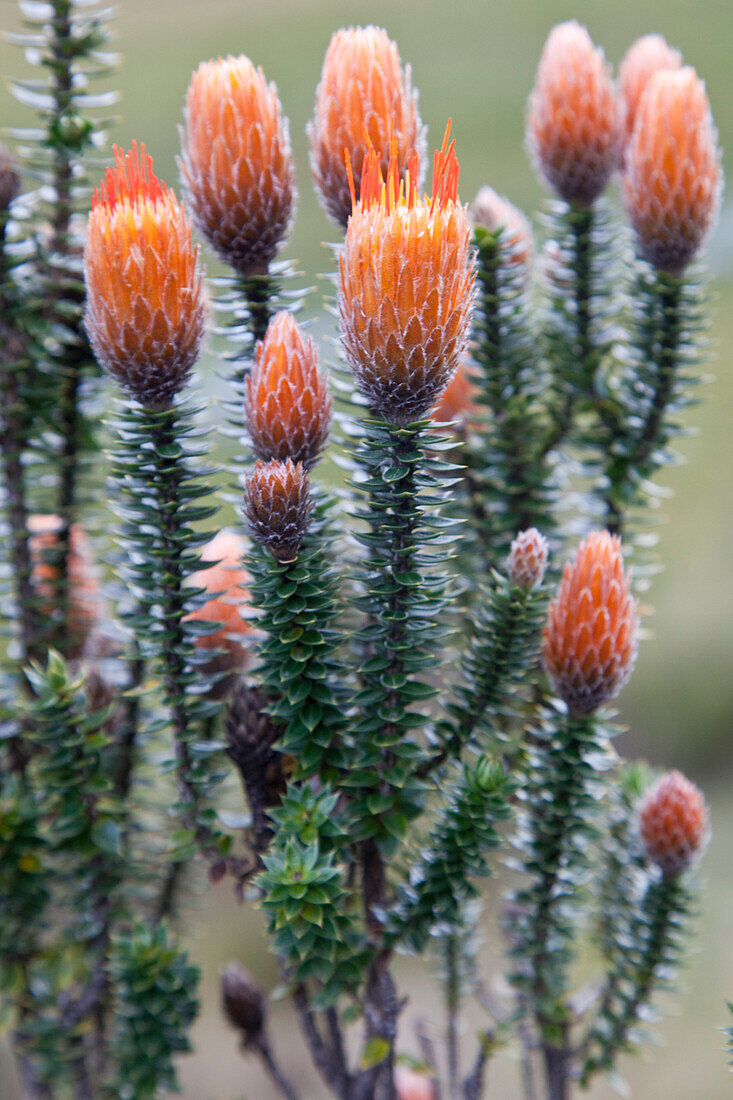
(226, 581)
(145, 303)
(494, 212)
(237, 163)
(287, 404)
(673, 823)
(645, 57)
(406, 286)
(672, 179)
(364, 99)
(591, 636)
(527, 560)
(278, 506)
(574, 123)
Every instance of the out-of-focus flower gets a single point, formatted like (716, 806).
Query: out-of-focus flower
(411, 1085)
(456, 403)
(527, 560)
(145, 302)
(591, 636)
(83, 598)
(406, 286)
(237, 163)
(226, 581)
(9, 178)
(495, 212)
(243, 1002)
(287, 404)
(364, 99)
(672, 179)
(278, 506)
(673, 823)
(645, 57)
(574, 122)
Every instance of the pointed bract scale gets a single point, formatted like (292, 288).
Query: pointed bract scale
(406, 286)
(237, 163)
(574, 120)
(645, 57)
(495, 212)
(287, 404)
(278, 506)
(591, 635)
(364, 96)
(146, 311)
(673, 178)
(673, 823)
(527, 562)
(226, 580)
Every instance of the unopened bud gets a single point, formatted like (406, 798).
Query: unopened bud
(278, 506)
(528, 558)
(673, 823)
(243, 1002)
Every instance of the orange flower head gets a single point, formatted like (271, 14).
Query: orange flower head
(494, 212)
(672, 179)
(225, 582)
(574, 122)
(456, 403)
(85, 606)
(410, 1085)
(237, 163)
(406, 285)
(287, 404)
(591, 636)
(278, 506)
(645, 57)
(145, 310)
(527, 560)
(673, 823)
(364, 99)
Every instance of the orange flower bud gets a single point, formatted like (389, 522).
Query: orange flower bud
(494, 212)
(574, 123)
(9, 179)
(673, 822)
(363, 100)
(645, 57)
(287, 404)
(527, 560)
(225, 580)
(673, 178)
(591, 636)
(406, 286)
(84, 600)
(145, 302)
(237, 163)
(456, 402)
(411, 1085)
(278, 506)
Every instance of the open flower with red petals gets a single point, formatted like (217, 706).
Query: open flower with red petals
(673, 178)
(237, 163)
(287, 404)
(145, 311)
(363, 101)
(406, 285)
(591, 636)
(574, 122)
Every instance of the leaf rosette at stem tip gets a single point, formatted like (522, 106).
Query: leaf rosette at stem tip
(364, 100)
(406, 285)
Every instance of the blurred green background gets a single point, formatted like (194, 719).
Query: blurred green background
(475, 62)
